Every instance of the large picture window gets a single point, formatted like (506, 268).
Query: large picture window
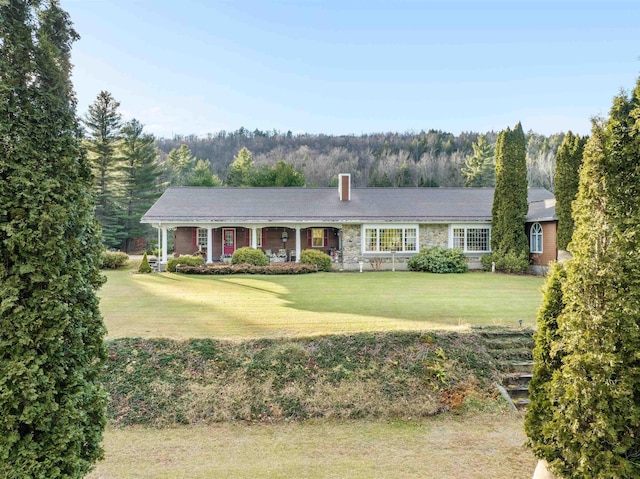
(471, 239)
(536, 238)
(384, 239)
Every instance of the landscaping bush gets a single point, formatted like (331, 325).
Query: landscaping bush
(186, 260)
(248, 255)
(508, 263)
(144, 265)
(244, 268)
(113, 259)
(317, 258)
(439, 260)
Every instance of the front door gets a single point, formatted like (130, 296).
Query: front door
(228, 241)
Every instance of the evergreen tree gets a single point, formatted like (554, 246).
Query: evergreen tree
(241, 168)
(568, 161)
(140, 175)
(51, 332)
(180, 162)
(479, 169)
(103, 124)
(510, 202)
(547, 356)
(202, 176)
(593, 428)
(282, 174)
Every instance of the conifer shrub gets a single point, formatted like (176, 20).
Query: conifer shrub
(439, 260)
(509, 242)
(317, 258)
(547, 356)
(144, 265)
(248, 255)
(591, 427)
(52, 406)
(113, 259)
(184, 259)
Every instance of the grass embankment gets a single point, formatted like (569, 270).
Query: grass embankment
(243, 307)
(396, 375)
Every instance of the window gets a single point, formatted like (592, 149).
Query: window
(536, 238)
(317, 237)
(383, 239)
(471, 239)
(202, 237)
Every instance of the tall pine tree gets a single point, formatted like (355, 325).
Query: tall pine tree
(509, 244)
(51, 331)
(180, 164)
(479, 169)
(240, 169)
(140, 176)
(568, 161)
(103, 124)
(591, 427)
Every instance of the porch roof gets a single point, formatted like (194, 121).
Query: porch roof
(322, 205)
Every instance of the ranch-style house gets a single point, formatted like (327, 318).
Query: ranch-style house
(356, 226)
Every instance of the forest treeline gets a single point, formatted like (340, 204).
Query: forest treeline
(410, 159)
(132, 168)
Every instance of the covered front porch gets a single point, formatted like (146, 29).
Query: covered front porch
(279, 242)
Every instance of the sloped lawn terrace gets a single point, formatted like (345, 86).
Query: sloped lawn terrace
(333, 348)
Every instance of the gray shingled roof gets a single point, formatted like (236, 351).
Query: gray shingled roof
(312, 205)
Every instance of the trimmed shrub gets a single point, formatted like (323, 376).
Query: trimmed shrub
(317, 258)
(439, 260)
(144, 265)
(507, 263)
(113, 259)
(248, 255)
(245, 268)
(186, 260)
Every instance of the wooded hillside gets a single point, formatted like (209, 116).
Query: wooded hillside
(432, 158)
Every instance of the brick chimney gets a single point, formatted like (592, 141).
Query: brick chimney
(344, 186)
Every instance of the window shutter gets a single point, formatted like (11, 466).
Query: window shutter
(247, 238)
(194, 239)
(326, 237)
(309, 238)
(263, 232)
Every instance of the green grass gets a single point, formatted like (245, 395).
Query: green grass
(246, 306)
(485, 445)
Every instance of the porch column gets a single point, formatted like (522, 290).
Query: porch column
(254, 237)
(164, 245)
(298, 249)
(158, 246)
(209, 245)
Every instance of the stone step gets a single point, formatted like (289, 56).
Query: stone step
(517, 366)
(517, 379)
(518, 392)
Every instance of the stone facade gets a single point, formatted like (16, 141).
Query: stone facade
(433, 235)
(351, 246)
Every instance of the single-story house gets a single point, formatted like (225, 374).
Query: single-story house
(378, 226)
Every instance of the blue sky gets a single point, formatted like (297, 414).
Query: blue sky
(352, 67)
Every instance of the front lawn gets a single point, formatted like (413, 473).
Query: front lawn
(252, 306)
(486, 445)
